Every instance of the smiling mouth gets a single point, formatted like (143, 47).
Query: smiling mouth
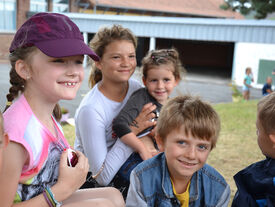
(187, 163)
(68, 83)
(159, 92)
(124, 71)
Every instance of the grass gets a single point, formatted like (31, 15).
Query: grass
(237, 145)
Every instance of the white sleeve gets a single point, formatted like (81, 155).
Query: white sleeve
(91, 129)
(134, 196)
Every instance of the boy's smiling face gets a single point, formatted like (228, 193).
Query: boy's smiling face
(184, 154)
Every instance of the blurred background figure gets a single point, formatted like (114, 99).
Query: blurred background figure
(267, 88)
(248, 79)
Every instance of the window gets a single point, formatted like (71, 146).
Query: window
(60, 6)
(7, 15)
(38, 6)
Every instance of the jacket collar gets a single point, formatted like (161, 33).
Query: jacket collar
(167, 185)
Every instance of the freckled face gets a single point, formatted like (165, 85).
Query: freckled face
(184, 154)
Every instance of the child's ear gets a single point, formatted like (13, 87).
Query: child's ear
(272, 138)
(143, 80)
(98, 64)
(159, 143)
(177, 81)
(22, 69)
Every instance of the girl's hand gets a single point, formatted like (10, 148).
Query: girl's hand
(145, 154)
(70, 178)
(144, 118)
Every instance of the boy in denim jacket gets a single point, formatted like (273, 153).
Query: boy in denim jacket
(256, 183)
(187, 131)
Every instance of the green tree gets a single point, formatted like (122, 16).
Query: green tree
(260, 7)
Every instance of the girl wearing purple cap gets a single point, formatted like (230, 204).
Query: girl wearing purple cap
(45, 69)
(112, 87)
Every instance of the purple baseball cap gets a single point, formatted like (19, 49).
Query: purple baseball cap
(54, 34)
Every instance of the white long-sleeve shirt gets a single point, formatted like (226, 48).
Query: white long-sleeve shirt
(93, 119)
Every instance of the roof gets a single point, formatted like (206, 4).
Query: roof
(201, 29)
(206, 8)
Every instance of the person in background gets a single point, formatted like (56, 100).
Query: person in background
(248, 79)
(267, 88)
(46, 58)
(255, 183)
(187, 131)
(112, 85)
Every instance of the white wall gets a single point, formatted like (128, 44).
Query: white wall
(248, 55)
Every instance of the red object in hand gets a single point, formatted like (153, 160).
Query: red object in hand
(72, 158)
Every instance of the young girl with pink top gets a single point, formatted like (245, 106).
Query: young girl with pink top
(46, 56)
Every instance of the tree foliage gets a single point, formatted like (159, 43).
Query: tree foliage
(261, 8)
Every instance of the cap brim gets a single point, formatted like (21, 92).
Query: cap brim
(65, 48)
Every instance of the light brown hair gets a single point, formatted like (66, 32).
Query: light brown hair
(162, 57)
(198, 118)
(266, 113)
(101, 40)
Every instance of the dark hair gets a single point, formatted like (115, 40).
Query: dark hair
(101, 40)
(18, 83)
(160, 57)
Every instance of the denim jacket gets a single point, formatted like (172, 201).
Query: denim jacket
(150, 185)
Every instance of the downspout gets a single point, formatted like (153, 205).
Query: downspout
(96, 2)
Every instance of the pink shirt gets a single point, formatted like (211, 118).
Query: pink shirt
(43, 148)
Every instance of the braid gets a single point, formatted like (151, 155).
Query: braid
(57, 113)
(17, 83)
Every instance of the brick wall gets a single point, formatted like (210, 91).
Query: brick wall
(5, 41)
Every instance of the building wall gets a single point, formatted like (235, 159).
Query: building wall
(6, 38)
(5, 41)
(23, 7)
(249, 55)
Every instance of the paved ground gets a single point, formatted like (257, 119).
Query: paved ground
(209, 88)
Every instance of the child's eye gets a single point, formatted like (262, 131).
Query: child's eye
(132, 56)
(181, 142)
(202, 147)
(115, 57)
(58, 61)
(166, 80)
(79, 62)
(153, 80)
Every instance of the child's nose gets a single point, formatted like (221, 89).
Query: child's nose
(191, 152)
(73, 70)
(125, 61)
(160, 84)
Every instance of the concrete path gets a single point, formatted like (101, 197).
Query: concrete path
(212, 89)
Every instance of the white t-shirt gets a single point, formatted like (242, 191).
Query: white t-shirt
(93, 119)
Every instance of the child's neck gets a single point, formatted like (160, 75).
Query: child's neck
(181, 184)
(43, 111)
(114, 91)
